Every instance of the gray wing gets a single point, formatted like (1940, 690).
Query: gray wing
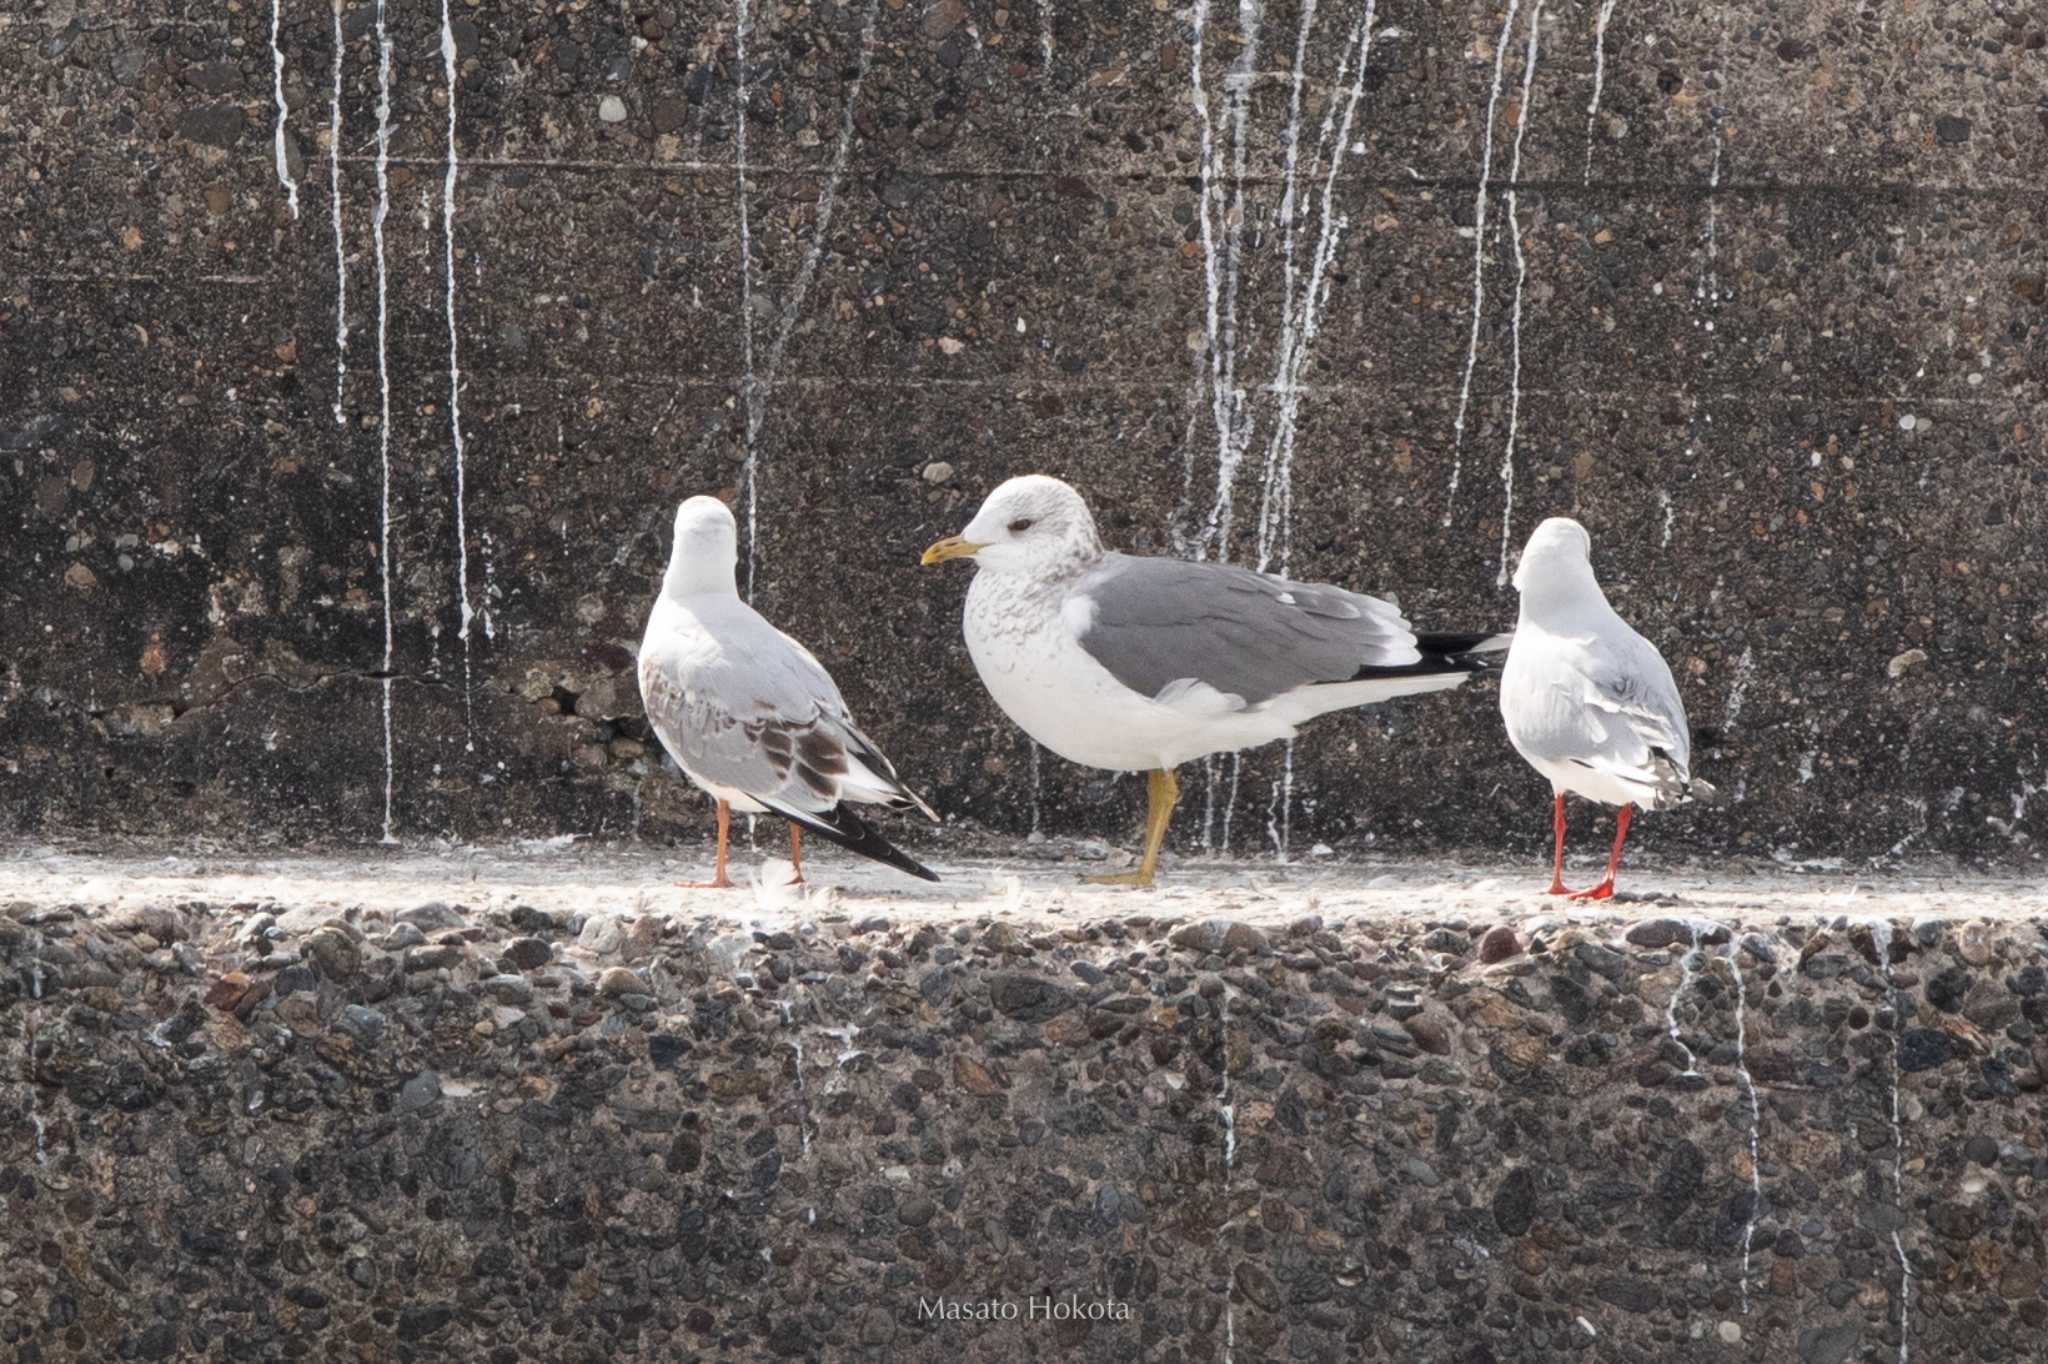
(1630, 680)
(739, 703)
(1605, 701)
(1153, 622)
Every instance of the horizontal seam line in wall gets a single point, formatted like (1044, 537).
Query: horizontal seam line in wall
(1647, 188)
(1028, 389)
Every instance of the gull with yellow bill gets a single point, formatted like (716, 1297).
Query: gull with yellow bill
(1139, 664)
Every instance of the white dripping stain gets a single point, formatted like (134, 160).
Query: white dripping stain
(1709, 286)
(1500, 46)
(757, 390)
(455, 376)
(28, 1058)
(848, 1053)
(284, 170)
(1212, 267)
(1233, 412)
(743, 20)
(1881, 939)
(1507, 459)
(1686, 965)
(1599, 78)
(483, 547)
(1035, 831)
(1230, 802)
(1670, 515)
(1045, 34)
(1898, 849)
(796, 1045)
(1301, 319)
(1738, 691)
(1227, 1115)
(334, 205)
(384, 384)
(2019, 798)
(1209, 776)
(1756, 1119)
(1289, 231)
(1176, 532)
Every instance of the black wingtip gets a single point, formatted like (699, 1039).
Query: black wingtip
(1463, 646)
(1441, 654)
(842, 826)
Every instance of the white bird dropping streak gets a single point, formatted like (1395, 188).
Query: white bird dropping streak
(1211, 271)
(1599, 78)
(1237, 435)
(739, 42)
(284, 172)
(1045, 34)
(334, 204)
(1500, 47)
(1709, 287)
(1035, 788)
(1288, 232)
(756, 396)
(455, 371)
(1756, 1117)
(1228, 1117)
(1881, 939)
(1507, 458)
(384, 387)
(1738, 691)
(1685, 972)
(1301, 320)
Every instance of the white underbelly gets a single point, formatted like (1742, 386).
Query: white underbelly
(1585, 781)
(1057, 693)
(732, 796)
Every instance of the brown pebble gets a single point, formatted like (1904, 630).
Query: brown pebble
(1499, 944)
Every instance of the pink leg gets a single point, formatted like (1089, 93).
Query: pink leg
(1557, 885)
(1605, 890)
(717, 881)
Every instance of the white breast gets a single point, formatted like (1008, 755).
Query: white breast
(1024, 646)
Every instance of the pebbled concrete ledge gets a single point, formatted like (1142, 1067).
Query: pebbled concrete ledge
(499, 1126)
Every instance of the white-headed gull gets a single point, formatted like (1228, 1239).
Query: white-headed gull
(747, 712)
(1587, 700)
(1141, 664)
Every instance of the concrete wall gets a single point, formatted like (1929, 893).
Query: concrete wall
(1778, 303)
(526, 1135)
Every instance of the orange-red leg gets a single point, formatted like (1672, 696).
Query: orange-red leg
(796, 853)
(1557, 885)
(1605, 890)
(717, 881)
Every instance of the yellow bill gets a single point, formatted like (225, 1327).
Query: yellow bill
(952, 547)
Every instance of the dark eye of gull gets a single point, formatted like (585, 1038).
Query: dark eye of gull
(1020, 525)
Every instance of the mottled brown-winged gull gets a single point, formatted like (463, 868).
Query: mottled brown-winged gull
(749, 714)
(1588, 701)
(1140, 664)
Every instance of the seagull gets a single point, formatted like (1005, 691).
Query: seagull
(1588, 701)
(1140, 664)
(749, 714)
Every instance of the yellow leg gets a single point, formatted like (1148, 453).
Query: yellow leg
(1161, 792)
(796, 853)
